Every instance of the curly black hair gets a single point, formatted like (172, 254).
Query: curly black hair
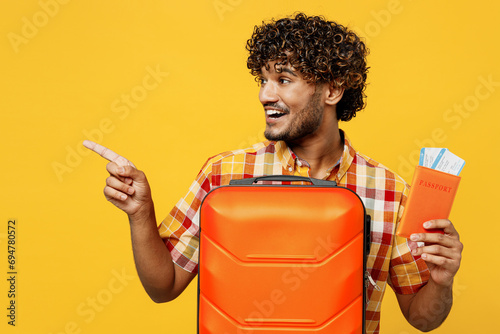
(322, 51)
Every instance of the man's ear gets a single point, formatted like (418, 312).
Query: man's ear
(334, 93)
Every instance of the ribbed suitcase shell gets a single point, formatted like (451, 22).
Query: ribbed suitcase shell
(281, 259)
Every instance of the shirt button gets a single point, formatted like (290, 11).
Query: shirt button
(299, 163)
(290, 169)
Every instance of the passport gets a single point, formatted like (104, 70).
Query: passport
(431, 196)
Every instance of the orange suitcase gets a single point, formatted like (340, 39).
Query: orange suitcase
(282, 258)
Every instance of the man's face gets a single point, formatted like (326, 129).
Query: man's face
(293, 106)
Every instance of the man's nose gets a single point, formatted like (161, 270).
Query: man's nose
(268, 93)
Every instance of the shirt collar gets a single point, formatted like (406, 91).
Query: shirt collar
(288, 159)
(285, 155)
(347, 157)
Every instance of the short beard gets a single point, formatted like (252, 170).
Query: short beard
(307, 122)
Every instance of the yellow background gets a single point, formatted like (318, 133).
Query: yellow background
(66, 66)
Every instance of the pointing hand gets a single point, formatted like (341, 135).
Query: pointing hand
(126, 187)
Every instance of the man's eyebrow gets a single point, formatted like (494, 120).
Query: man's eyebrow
(287, 70)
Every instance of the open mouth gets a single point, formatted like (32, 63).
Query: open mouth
(272, 113)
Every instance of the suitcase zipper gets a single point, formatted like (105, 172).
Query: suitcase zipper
(369, 280)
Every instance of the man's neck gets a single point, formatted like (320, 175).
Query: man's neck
(320, 151)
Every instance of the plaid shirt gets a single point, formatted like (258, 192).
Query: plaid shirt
(383, 193)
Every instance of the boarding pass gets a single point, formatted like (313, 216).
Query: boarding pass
(441, 159)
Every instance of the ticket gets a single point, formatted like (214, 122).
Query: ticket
(429, 154)
(448, 163)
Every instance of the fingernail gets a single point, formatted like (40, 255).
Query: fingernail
(130, 190)
(414, 252)
(424, 256)
(123, 197)
(121, 170)
(414, 237)
(427, 224)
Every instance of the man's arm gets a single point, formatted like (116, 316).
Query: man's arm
(429, 307)
(128, 189)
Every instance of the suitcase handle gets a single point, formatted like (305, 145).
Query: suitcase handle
(284, 178)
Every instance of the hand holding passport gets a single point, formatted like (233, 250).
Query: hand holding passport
(432, 191)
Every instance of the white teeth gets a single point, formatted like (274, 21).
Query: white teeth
(274, 112)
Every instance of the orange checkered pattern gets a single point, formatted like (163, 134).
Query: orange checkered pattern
(383, 193)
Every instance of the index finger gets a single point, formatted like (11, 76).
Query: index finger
(107, 154)
(444, 224)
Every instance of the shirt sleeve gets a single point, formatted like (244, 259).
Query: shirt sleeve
(408, 273)
(180, 229)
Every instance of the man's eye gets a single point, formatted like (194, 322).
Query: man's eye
(261, 81)
(284, 81)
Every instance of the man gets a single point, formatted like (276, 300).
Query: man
(312, 74)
